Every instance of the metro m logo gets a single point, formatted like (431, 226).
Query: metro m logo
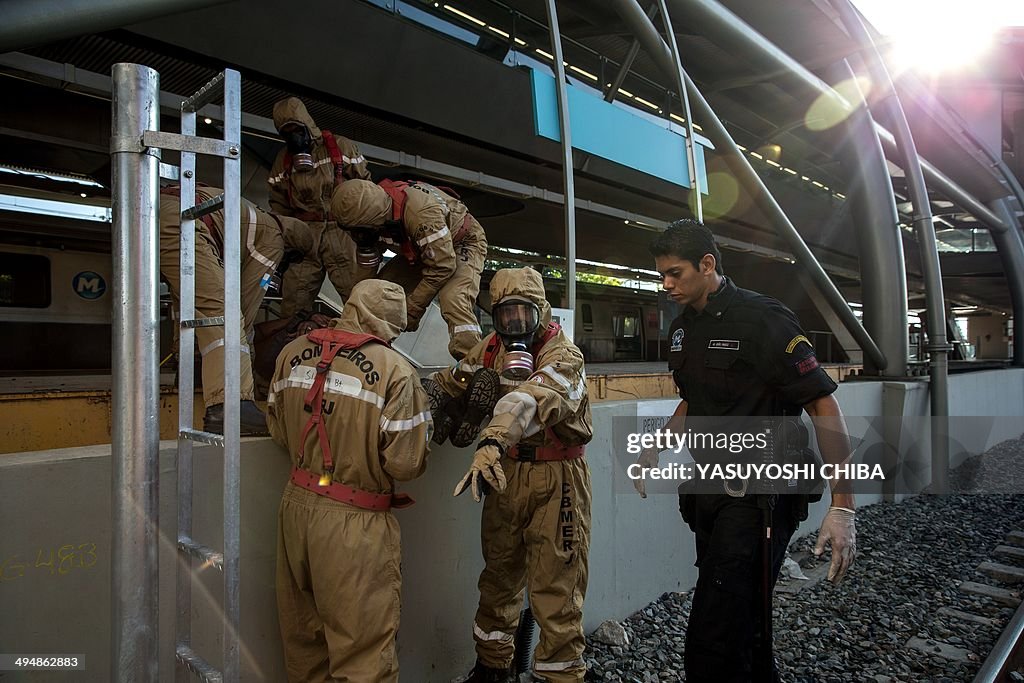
(89, 285)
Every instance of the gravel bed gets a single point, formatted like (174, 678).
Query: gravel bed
(911, 558)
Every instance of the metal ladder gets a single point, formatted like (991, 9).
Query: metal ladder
(188, 662)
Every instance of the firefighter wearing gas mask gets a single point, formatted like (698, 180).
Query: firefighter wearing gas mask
(535, 529)
(301, 181)
(440, 248)
(264, 240)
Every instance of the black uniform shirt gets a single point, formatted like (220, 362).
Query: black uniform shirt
(744, 355)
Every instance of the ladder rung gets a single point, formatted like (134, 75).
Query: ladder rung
(203, 208)
(169, 171)
(201, 552)
(204, 95)
(203, 322)
(203, 437)
(197, 665)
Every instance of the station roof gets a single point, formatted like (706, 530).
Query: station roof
(362, 84)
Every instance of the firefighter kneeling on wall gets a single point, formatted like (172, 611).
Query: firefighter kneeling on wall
(535, 530)
(354, 419)
(268, 242)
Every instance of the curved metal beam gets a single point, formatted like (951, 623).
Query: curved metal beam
(1010, 246)
(691, 157)
(712, 16)
(924, 229)
(656, 48)
(873, 206)
(568, 180)
(28, 23)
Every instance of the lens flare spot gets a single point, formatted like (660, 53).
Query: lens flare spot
(827, 111)
(724, 195)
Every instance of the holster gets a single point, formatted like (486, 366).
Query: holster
(688, 503)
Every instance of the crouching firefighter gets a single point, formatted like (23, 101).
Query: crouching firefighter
(441, 248)
(354, 419)
(535, 530)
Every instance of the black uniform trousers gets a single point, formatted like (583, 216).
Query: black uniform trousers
(726, 615)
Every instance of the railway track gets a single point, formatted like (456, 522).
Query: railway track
(1006, 661)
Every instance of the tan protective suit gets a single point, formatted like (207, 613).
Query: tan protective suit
(263, 241)
(307, 196)
(338, 567)
(536, 533)
(450, 270)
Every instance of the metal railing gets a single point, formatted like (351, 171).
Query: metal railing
(135, 149)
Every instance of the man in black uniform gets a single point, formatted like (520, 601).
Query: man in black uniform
(738, 354)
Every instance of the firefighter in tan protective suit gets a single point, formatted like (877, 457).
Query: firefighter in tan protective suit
(440, 248)
(301, 181)
(535, 530)
(264, 239)
(354, 418)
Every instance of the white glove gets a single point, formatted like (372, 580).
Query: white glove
(648, 459)
(486, 465)
(839, 531)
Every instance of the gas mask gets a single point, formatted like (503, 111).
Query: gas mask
(299, 146)
(516, 322)
(367, 251)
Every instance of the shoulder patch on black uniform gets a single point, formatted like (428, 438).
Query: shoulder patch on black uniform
(791, 346)
(806, 365)
(677, 340)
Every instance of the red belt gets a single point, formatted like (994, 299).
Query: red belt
(379, 502)
(544, 453)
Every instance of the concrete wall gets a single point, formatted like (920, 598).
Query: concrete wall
(57, 504)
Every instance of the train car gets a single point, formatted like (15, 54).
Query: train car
(54, 310)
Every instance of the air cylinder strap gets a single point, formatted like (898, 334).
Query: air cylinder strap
(331, 341)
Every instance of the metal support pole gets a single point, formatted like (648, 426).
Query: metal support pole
(745, 174)
(691, 156)
(627, 62)
(567, 168)
(924, 229)
(135, 434)
(873, 205)
(232, 375)
(1011, 253)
